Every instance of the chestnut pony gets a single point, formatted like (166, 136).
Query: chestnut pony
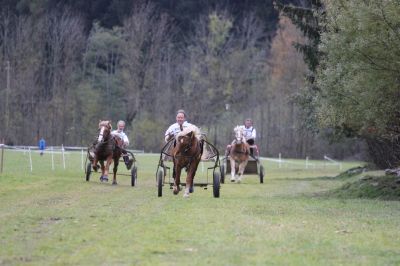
(186, 154)
(106, 150)
(239, 153)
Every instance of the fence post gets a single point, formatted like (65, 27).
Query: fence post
(52, 158)
(30, 158)
(306, 162)
(280, 160)
(2, 158)
(63, 156)
(82, 160)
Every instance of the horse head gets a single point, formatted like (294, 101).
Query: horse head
(185, 141)
(104, 131)
(239, 135)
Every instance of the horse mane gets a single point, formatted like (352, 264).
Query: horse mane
(105, 123)
(187, 130)
(237, 128)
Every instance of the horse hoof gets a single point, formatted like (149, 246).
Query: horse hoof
(176, 192)
(191, 189)
(232, 179)
(114, 183)
(186, 195)
(104, 179)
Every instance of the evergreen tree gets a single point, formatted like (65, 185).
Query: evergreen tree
(308, 18)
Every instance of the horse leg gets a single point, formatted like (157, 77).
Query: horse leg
(94, 164)
(103, 176)
(190, 178)
(177, 180)
(115, 169)
(242, 166)
(107, 168)
(189, 182)
(232, 170)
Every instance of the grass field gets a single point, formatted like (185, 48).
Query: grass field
(55, 217)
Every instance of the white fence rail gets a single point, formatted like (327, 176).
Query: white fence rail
(52, 155)
(67, 157)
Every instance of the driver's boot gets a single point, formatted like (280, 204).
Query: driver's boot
(128, 162)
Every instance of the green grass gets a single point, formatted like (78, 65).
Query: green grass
(372, 187)
(55, 217)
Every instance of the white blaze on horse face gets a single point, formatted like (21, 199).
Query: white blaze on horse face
(100, 138)
(238, 135)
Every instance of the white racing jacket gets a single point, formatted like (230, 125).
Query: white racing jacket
(249, 133)
(121, 135)
(174, 129)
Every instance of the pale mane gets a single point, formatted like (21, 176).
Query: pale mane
(237, 128)
(189, 129)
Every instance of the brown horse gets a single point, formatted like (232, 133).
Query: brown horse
(106, 150)
(239, 153)
(186, 154)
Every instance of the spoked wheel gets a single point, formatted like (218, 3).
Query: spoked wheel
(133, 176)
(160, 176)
(222, 174)
(262, 174)
(88, 171)
(216, 184)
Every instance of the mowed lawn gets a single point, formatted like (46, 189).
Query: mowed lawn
(55, 217)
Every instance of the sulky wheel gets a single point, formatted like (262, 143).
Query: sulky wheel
(133, 176)
(160, 176)
(261, 174)
(222, 174)
(216, 184)
(88, 171)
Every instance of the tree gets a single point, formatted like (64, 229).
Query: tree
(358, 77)
(147, 34)
(308, 16)
(226, 66)
(41, 67)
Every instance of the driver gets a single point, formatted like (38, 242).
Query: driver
(177, 127)
(250, 135)
(119, 132)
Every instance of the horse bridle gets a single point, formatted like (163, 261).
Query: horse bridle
(239, 138)
(188, 146)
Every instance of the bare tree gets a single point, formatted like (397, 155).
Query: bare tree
(147, 36)
(42, 65)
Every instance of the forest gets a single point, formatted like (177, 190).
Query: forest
(317, 77)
